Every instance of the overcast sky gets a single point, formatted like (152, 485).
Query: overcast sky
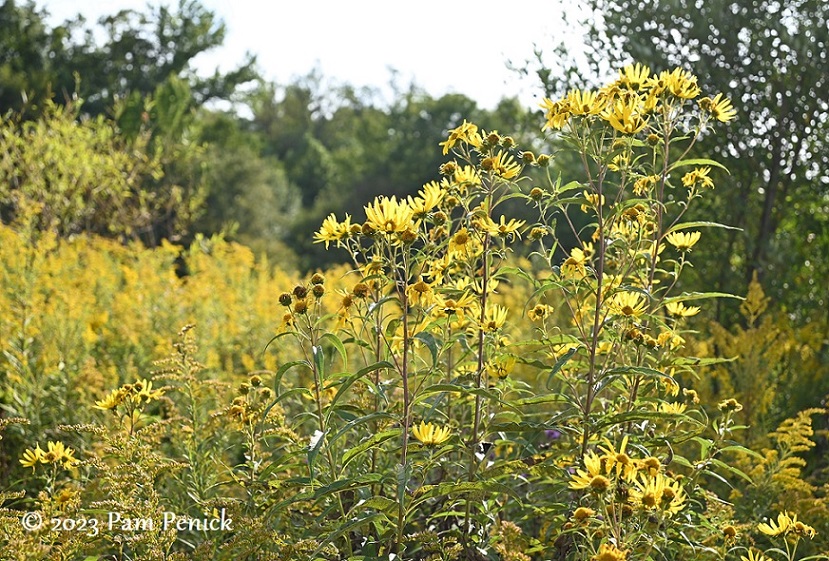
(443, 45)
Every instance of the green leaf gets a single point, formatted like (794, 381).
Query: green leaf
(431, 343)
(319, 360)
(343, 388)
(701, 224)
(559, 364)
(697, 162)
(337, 344)
(370, 442)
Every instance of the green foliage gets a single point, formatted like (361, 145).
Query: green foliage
(440, 398)
(775, 148)
(74, 175)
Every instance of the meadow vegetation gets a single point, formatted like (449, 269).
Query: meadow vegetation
(480, 382)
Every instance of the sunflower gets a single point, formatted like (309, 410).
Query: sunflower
(431, 435)
(680, 310)
(388, 215)
(719, 108)
(32, 457)
(628, 304)
(683, 241)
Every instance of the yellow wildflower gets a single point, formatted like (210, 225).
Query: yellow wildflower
(618, 461)
(557, 113)
(593, 201)
(494, 318)
(539, 312)
(113, 400)
(466, 177)
(502, 228)
(466, 132)
(719, 108)
(574, 266)
(626, 116)
(331, 230)
(658, 492)
(591, 477)
(502, 164)
(784, 523)
(678, 309)
(628, 304)
(672, 408)
(634, 77)
(389, 215)
(32, 457)
(431, 435)
(699, 176)
(683, 241)
(609, 552)
(585, 102)
(682, 84)
(754, 555)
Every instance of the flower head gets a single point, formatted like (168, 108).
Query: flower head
(720, 108)
(431, 435)
(388, 215)
(680, 310)
(683, 241)
(466, 132)
(609, 552)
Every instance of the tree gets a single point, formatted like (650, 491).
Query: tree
(30, 56)
(770, 58)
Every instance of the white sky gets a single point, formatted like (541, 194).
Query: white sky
(443, 45)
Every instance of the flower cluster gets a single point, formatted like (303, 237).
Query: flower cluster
(628, 103)
(55, 453)
(141, 391)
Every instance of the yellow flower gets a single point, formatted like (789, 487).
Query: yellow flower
(463, 244)
(592, 201)
(502, 164)
(466, 177)
(634, 77)
(421, 294)
(502, 228)
(754, 555)
(626, 116)
(389, 215)
(113, 400)
(620, 462)
(609, 552)
(494, 318)
(144, 390)
(32, 457)
(730, 404)
(585, 102)
(680, 83)
(591, 477)
(699, 177)
(501, 367)
(678, 309)
(431, 435)
(628, 304)
(721, 109)
(672, 408)
(429, 197)
(574, 266)
(332, 231)
(582, 513)
(683, 241)
(658, 492)
(784, 524)
(557, 113)
(466, 132)
(539, 312)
